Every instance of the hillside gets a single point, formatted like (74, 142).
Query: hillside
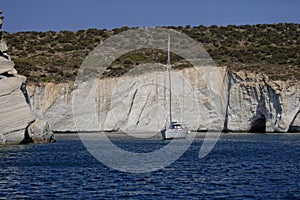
(272, 49)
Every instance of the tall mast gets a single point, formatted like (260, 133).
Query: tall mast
(169, 73)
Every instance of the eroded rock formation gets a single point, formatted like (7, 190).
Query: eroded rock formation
(16, 116)
(259, 105)
(209, 100)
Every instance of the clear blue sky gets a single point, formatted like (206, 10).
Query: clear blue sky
(44, 15)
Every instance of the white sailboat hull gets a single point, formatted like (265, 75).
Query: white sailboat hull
(168, 134)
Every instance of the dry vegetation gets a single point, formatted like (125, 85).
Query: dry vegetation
(273, 49)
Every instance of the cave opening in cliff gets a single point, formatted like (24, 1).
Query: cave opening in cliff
(258, 125)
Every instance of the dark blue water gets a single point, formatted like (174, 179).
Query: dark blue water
(241, 166)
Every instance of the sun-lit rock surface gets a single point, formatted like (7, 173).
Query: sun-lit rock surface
(15, 112)
(206, 100)
(257, 104)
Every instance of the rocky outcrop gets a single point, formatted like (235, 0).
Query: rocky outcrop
(259, 105)
(211, 99)
(40, 132)
(16, 116)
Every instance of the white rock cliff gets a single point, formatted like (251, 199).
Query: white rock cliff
(16, 116)
(257, 104)
(206, 100)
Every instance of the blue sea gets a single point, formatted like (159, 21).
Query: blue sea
(240, 166)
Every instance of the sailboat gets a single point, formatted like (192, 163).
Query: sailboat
(175, 130)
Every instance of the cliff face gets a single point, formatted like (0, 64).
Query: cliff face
(15, 113)
(53, 102)
(207, 100)
(136, 103)
(258, 105)
(18, 123)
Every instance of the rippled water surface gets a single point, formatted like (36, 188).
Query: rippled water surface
(241, 166)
